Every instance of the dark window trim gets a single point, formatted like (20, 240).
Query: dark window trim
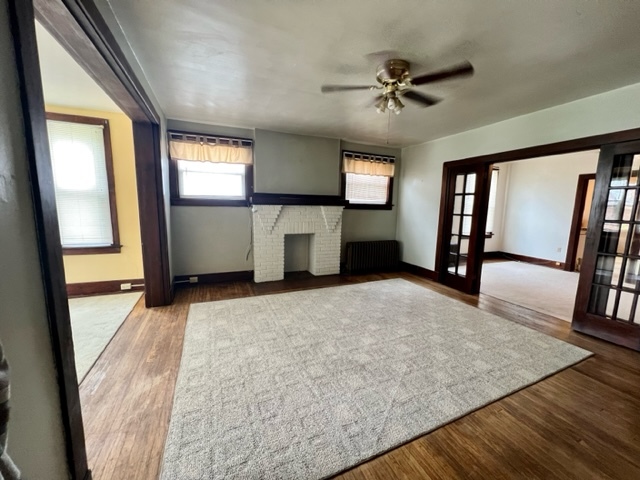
(364, 206)
(108, 160)
(174, 188)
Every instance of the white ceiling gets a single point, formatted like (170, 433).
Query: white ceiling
(254, 63)
(64, 82)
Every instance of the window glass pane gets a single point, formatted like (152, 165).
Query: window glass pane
(211, 180)
(598, 299)
(81, 183)
(459, 183)
(455, 225)
(615, 204)
(462, 266)
(605, 266)
(634, 170)
(471, 183)
(624, 306)
(466, 225)
(457, 204)
(367, 189)
(621, 170)
(627, 212)
(468, 204)
(609, 238)
(464, 246)
(631, 272)
(611, 301)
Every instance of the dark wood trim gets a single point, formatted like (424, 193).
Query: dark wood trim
(207, 202)
(576, 220)
(568, 146)
(205, 278)
(80, 28)
(107, 249)
(296, 199)
(420, 271)
(103, 287)
(111, 181)
(153, 223)
(524, 258)
(620, 333)
(22, 20)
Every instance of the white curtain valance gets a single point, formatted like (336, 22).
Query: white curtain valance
(368, 165)
(212, 150)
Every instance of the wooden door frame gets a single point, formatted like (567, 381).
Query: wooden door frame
(471, 282)
(616, 332)
(568, 146)
(79, 27)
(576, 220)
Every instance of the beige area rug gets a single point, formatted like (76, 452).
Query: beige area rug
(306, 384)
(543, 289)
(94, 322)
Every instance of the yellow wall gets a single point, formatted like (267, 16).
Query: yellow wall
(128, 263)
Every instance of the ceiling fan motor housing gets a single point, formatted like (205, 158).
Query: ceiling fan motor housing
(394, 70)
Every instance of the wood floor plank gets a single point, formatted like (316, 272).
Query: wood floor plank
(581, 423)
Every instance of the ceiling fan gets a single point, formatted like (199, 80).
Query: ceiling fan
(395, 81)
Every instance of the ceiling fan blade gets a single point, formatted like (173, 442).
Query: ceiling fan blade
(421, 98)
(463, 69)
(344, 88)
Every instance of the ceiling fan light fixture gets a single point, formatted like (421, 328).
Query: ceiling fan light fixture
(381, 106)
(399, 107)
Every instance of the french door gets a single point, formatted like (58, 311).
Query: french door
(466, 194)
(609, 286)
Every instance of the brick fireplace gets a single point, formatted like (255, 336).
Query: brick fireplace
(272, 222)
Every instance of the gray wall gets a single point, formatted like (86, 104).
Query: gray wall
(36, 439)
(217, 239)
(286, 163)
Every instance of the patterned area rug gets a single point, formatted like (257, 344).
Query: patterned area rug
(306, 384)
(94, 322)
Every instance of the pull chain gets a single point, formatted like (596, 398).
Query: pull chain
(388, 125)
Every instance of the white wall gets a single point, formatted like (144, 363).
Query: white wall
(539, 207)
(421, 173)
(36, 440)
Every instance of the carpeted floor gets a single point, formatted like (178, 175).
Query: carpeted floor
(94, 321)
(543, 289)
(303, 385)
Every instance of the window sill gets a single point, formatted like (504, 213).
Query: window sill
(207, 202)
(91, 250)
(364, 206)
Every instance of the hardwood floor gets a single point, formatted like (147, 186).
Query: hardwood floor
(582, 423)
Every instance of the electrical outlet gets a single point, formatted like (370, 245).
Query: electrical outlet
(125, 286)
(193, 279)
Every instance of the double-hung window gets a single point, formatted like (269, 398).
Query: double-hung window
(367, 180)
(208, 170)
(84, 185)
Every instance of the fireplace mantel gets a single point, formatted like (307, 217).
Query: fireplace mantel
(297, 199)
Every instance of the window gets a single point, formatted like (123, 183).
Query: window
(210, 170)
(367, 180)
(84, 186)
(491, 211)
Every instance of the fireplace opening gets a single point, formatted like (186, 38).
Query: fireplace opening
(296, 252)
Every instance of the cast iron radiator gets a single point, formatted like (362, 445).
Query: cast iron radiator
(368, 256)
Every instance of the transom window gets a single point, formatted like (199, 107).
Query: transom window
(84, 186)
(210, 170)
(367, 180)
